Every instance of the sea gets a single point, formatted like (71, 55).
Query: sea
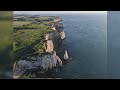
(86, 43)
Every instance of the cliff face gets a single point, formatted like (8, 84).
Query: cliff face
(44, 63)
(48, 60)
(62, 35)
(50, 46)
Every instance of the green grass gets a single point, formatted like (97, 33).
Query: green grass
(23, 38)
(23, 42)
(20, 23)
(26, 33)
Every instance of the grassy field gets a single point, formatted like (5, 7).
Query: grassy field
(23, 38)
(27, 31)
(20, 23)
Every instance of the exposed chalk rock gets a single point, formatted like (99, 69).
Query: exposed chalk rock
(53, 28)
(50, 46)
(46, 36)
(66, 55)
(45, 62)
(57, 19)
(62, 35)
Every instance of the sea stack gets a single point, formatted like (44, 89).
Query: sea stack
(66, 55)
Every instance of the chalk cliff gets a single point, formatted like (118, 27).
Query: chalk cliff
(44, 63)
(50, 46)
(62, 35)
(48, 60)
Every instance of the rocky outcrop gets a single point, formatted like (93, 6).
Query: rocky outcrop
(53, 28)
(45, 62)
(62, 35)
(66, 55)
(50, 46)
(57, 19)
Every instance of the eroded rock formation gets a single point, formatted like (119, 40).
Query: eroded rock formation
(62, 35)
(45, 62)
(66, 55)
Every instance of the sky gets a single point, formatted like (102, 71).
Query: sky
(54, 12)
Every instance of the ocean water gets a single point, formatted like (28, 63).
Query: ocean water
(86, 42)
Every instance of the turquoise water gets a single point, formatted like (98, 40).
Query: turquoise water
(86, 42)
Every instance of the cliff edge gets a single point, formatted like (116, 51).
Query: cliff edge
(49, 59)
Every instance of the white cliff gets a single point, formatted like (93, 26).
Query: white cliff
(62, 35)
(45, 62)
(50, 46)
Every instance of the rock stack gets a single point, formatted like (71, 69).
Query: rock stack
(66, 55)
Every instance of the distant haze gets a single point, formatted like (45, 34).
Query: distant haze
(57, 12)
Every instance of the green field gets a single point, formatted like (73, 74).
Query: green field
(27, 31)
(20, 23)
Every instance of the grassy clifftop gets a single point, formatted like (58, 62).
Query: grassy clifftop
(28, 32)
